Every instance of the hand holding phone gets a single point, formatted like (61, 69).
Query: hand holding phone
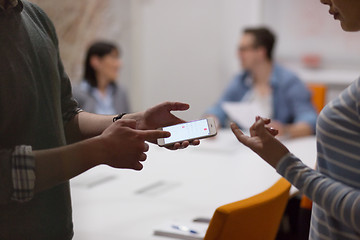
(199, 129)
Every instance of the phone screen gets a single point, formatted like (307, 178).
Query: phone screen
(189, 130)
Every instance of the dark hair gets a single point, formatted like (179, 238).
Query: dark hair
(99, 49)
(263, 38)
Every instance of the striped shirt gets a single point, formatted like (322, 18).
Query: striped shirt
(334, 188)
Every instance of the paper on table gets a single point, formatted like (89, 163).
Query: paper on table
(243, 113)
(171, 230)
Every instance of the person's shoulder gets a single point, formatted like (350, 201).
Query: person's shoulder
(240, 77)
(32, 8)
(80, 88)
(285, 75)
(355, 87)
(280, 69)
(38, 15)
(120, 88)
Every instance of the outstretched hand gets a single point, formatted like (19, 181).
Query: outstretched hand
(161, 116)
(262, 141)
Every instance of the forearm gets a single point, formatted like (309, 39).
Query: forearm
(57, 165)
(86, 125)
(337, 199)
(300, 129)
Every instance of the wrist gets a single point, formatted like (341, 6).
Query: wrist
(118, 117)
(133, 116)
(94, 151)
(138, 117)
(278, 152)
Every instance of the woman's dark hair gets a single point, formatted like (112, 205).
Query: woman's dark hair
(263, 38)
(99, 49)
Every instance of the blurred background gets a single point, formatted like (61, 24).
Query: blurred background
(186, 50)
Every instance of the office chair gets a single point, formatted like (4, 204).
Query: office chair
(255, 218)
(318, 95)
(318, 99)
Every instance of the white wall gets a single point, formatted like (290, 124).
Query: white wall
(185, 50)
(306, 27)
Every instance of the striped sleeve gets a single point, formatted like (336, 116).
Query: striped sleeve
(339, 200)
(23, 174)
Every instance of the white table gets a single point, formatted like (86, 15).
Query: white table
(174, 185)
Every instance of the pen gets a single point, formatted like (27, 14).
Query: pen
(184, 229)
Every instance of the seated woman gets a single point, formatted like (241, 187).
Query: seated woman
(98, 91)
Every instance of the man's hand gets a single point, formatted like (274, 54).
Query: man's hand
(161, 116)
(120, 146)
(262, 141)
(124, 146)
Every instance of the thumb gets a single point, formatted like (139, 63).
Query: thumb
(239, 134)
(176, 106)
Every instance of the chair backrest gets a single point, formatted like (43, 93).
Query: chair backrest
(318, 92)
(257, 217)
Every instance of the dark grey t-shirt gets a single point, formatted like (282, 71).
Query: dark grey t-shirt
(35, 101)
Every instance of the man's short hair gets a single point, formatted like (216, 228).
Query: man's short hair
(263, 38)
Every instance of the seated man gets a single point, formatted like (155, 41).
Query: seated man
(279, 92)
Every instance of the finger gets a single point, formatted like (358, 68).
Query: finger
(137, 166)
(175, 146)
(239, 134)
(126, 123)
(256, 127)
(153, 135)
(185, 144)
(236, 130)
(259, 129)
(252, 128)
(266, 120)
(142, 157)
(146, 147)
(176, 106)
(195, 142)
(272, 131)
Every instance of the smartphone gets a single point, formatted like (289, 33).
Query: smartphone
(203, 128)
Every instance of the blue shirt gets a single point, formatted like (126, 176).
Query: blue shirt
(291, 98)
(90, 100)
(104, 104)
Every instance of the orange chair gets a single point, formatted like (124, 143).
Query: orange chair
(318, 92)
(257, 217)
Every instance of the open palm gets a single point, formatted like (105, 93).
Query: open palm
(161, 116)
(262, 141)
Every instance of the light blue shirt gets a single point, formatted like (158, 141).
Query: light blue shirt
(104, 104)
(291, 98)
